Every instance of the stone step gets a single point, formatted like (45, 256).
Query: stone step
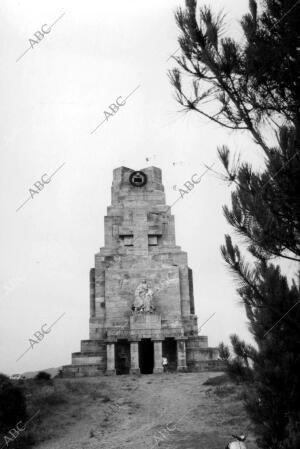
(88, 358)
(93, 346)
(89, 370)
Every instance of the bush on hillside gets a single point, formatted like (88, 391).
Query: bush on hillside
(12, 404)
(42, 375)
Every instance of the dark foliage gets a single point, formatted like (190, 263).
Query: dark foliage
(12, 404)
(253, 84)
(43, 376)
(217, 380)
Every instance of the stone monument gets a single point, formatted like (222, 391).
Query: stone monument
(141, 289)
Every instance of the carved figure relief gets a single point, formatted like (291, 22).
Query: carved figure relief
(143, 298)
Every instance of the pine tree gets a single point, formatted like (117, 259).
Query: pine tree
(269, 371)
(254, 85)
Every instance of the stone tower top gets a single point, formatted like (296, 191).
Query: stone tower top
(133, 187)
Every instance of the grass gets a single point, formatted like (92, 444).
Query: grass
(222, 391)
(217, 380)
(229, 412)
(66, 403)
(56, 404)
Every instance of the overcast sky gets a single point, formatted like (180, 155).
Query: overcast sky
(51, 101)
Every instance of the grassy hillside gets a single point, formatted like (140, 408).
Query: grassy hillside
(166, 411)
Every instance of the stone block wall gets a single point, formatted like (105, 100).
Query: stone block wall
(206, 365)
(82, 370)
(88, 346)
(120, 285)
(200, 357)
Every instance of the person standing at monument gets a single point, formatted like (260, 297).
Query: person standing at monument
(165, 364)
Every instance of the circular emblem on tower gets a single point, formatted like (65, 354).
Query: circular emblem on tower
(138, 179)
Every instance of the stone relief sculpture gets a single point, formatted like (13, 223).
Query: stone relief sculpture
(143, 298)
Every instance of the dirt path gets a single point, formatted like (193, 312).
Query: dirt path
(166, 411)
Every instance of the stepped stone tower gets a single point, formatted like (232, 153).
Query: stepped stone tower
(141, 289)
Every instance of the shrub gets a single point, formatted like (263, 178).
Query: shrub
(54, 398)
(42, 375)
(224, 390)
(217, 380)
(13, 403)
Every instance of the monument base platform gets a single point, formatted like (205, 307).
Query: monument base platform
(81, 371)
(92, 360)
(206, 365)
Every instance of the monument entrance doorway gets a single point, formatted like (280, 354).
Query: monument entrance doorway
(169, 350)
(146, 356)
(122, 359)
